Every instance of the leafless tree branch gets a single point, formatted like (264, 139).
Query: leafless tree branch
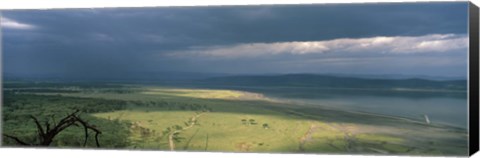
(46, 136)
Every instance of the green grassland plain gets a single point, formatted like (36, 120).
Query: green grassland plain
(237, 121)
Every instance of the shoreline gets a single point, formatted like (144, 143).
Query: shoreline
(255, 96)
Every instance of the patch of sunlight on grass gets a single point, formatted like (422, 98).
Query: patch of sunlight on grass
(378, 138)
(216, 131)
(205, 93)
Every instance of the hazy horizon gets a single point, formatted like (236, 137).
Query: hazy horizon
(192, 76)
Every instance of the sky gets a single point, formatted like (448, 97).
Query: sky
(387, 38)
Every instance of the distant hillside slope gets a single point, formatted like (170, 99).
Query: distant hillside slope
(313, 80)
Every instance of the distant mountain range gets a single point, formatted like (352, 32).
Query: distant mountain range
(112, 77)
(399, 76)
(329, 81)
(284, 80)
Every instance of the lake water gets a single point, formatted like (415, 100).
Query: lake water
(441, 107)
(445, 110)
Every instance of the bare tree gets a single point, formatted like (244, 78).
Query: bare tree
(47, 132)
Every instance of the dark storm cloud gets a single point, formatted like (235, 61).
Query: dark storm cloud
(138, 39)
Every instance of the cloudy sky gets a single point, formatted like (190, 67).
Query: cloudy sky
(409, 38)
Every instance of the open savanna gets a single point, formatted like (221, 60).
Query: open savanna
(182, 119)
